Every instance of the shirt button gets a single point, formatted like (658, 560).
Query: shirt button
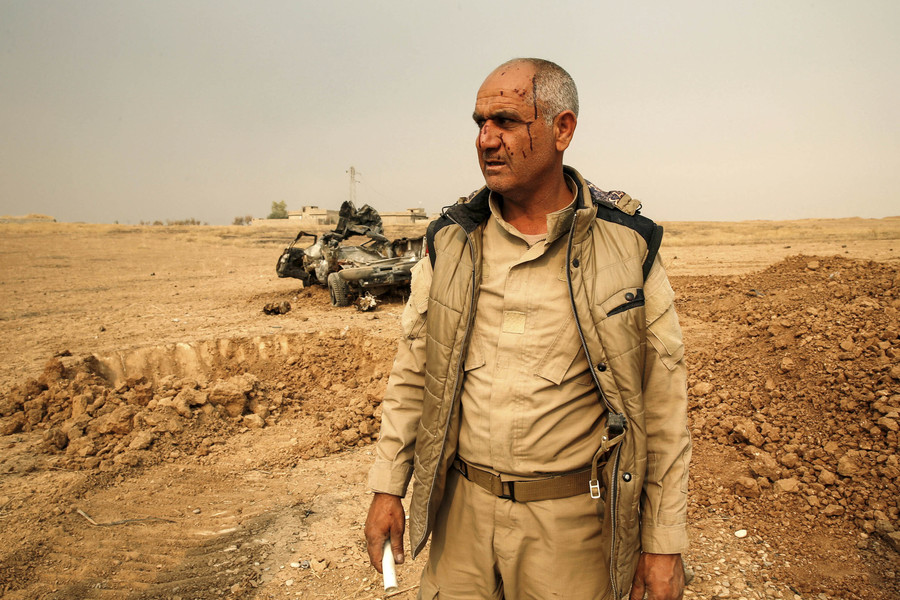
(575, 262)
(626, 477)
(601, 367)
(629, 296)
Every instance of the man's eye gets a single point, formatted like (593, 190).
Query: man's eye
(480, 123)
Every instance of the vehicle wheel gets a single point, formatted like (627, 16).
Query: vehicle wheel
(339, 290)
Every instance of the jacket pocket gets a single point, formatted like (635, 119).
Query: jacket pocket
(412, 320)
(623, 300)
(621, 322)
(665, 336)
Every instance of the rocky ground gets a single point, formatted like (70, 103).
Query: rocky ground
(796, 394)
(222, 453)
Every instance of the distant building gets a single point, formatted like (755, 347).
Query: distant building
(404, 217)
(314, 215)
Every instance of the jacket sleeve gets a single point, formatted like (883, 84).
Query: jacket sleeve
(402, 404)
(664, 501)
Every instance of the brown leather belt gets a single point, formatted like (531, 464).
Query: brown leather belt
(551, 488)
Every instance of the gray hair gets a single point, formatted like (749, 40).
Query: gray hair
(554, 89)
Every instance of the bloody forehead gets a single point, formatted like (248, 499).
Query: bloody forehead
(517, 80)
(511, 88)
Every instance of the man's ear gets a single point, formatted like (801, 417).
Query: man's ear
(564, 128)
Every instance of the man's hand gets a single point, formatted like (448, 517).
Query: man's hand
(660, 576)
(386, 519)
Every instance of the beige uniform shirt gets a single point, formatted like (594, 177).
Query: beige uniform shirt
(529, 406)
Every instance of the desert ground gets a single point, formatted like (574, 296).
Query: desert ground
(162, 437)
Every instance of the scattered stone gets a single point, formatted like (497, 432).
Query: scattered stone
(702, 389)
(893, 539)
(847, 465)
(13, 424)
(790, 485)
(747, 487)
(763, 465)
(191, 397)
(142, 440)
(790, 460)
(254, 421)
(888, 424)
(745, 431)
(277, 308)
(230, 396)
(826, 477)
(56, 438)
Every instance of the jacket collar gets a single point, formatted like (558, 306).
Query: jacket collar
(585, 210)
(475, 209)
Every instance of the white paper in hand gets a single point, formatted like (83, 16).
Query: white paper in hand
(387, 568)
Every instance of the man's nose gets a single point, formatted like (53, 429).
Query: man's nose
(488, 136)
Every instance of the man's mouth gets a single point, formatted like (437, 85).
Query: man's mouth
(492, 163)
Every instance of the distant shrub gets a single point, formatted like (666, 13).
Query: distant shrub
(245, 220)
(184, 222)
(170, 222)
(279, 210)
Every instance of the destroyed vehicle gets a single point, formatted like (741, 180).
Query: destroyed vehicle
(374, 267)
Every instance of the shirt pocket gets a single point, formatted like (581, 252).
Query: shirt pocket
(474, 354)
(561, 356)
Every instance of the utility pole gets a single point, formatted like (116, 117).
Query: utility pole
(353, 183)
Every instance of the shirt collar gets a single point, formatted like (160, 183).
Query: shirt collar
(558, 222)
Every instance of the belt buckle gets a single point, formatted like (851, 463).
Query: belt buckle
(511, 495)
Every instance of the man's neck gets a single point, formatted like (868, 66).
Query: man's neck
(529, 215)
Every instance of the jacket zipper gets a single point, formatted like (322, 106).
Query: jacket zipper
(613, 507)
(459, 367)
(613, 492)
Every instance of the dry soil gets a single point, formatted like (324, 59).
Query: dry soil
(162, 437)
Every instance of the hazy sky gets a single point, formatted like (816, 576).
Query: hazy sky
(707, 110)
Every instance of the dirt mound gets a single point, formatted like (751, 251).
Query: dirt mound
(800, 374)
(95, 417)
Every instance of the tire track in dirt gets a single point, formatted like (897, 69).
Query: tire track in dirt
(174, 542)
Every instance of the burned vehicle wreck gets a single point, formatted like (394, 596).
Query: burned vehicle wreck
(372, 268)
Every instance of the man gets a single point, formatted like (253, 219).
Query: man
(539, 392)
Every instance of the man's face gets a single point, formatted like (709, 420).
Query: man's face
(516, 148)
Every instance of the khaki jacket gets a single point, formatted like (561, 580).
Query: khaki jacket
(624, 310)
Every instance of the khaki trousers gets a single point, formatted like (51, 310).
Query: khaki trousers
(487, 547)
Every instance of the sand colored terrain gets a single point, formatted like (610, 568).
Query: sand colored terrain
(161, 437)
